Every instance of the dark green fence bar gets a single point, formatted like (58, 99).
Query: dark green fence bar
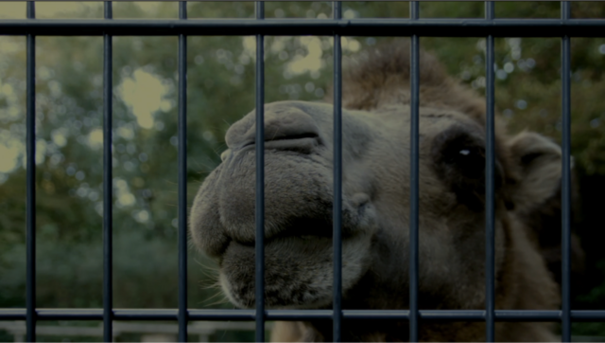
(182, 192)
(414, 172)
(566, 177)
(30, 297)
(260, 179)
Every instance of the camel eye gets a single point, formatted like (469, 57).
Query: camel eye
(463, 155)
(460, 163)
(469, 161)
(459, 156)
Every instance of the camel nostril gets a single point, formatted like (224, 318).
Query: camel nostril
(225, 155)
(287, 127)
(292, 130)
(303, 143)
(301, 135)
(292, 124)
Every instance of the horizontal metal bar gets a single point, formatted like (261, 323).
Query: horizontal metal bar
(249, 315)
(284, 27)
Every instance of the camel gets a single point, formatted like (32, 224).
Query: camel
(375, 208)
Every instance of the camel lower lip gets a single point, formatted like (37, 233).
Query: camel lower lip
(290, 267)
(298, 270)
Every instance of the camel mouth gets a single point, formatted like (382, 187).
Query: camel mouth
(357, 220)
(302, 228)
(298, 261)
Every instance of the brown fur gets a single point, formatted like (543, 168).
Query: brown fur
(298, 199)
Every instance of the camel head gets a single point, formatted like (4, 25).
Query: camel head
(376, 202)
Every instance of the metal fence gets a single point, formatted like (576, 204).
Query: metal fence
(414, 27)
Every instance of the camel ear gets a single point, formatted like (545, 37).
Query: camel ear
(539, 159)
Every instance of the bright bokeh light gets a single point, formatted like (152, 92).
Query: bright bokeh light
(312, 61)
(126, 199)
(123, 195)
(351, 44)
(95, 138)
(149, 6)
(12, 10)
(40, 151)
(44, 9)
(125, 132)
(8, 157)
(249, 43)
(59, 137)
(12, 108)
(142, 216)
(144, 94)
(11, 151)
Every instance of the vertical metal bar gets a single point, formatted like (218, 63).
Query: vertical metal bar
(490, 159)
(107, 182)
(30, 179)
(414, 173)
(260, 179)
(566, 178)
(182, 202)
(337, 206)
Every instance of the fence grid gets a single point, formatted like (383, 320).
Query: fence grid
(414, 27)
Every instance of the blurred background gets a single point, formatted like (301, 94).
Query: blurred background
(69, 138)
